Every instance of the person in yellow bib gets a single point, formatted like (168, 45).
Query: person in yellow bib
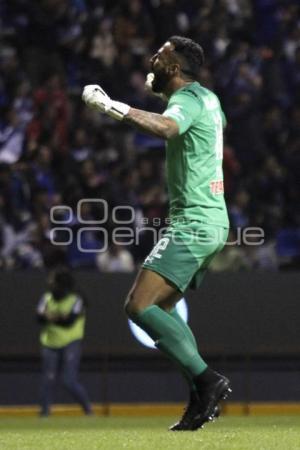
(61, 313)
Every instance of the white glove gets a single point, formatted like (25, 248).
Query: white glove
(95, 97)
(148, 86)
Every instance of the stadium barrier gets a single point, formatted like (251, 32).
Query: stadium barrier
(247, 325)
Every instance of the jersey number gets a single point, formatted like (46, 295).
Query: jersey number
(159, 247)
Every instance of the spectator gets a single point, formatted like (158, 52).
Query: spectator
(61, 313)
(115, 259)
(55, 151)
(11, 138)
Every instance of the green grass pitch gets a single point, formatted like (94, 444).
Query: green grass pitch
(117, 433)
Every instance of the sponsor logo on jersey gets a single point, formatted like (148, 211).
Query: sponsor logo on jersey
(217, 187)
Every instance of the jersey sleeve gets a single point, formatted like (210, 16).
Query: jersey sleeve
(183, 108)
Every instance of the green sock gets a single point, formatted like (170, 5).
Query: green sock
(171, 338)
(185, 327)
(192, 339)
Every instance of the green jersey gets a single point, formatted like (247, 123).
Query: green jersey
(194, 157)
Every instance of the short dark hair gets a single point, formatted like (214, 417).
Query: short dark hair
(63, 278)
(191, 52)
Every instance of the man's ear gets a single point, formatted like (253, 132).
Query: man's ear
(174, 69)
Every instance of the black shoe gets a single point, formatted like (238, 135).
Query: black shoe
(203, 405)
(209, 397)
(189, 414)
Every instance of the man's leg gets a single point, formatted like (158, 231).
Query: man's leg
(192, 339)
(149, 304)
(185, 327)
(50, 359)
(70, 369)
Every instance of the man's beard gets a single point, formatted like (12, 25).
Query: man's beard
(160, 81)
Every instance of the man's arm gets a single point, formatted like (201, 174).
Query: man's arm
(152, 123)
(41, 315)
(69, 319)
(64, 321)
(44, 317)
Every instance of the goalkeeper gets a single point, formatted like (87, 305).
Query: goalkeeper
(192, 126)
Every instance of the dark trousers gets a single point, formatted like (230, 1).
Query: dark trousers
(66, 361)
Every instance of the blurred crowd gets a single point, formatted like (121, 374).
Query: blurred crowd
(54, 151)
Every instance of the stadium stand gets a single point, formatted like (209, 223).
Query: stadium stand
(54, 151)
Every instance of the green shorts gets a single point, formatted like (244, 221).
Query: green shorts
(184, 252)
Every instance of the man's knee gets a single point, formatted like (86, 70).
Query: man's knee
(133, 305)
(149, 289)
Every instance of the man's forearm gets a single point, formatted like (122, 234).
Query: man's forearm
(152, 123)
(66, 321)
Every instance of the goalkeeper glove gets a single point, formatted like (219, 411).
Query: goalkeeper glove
(95, 97)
